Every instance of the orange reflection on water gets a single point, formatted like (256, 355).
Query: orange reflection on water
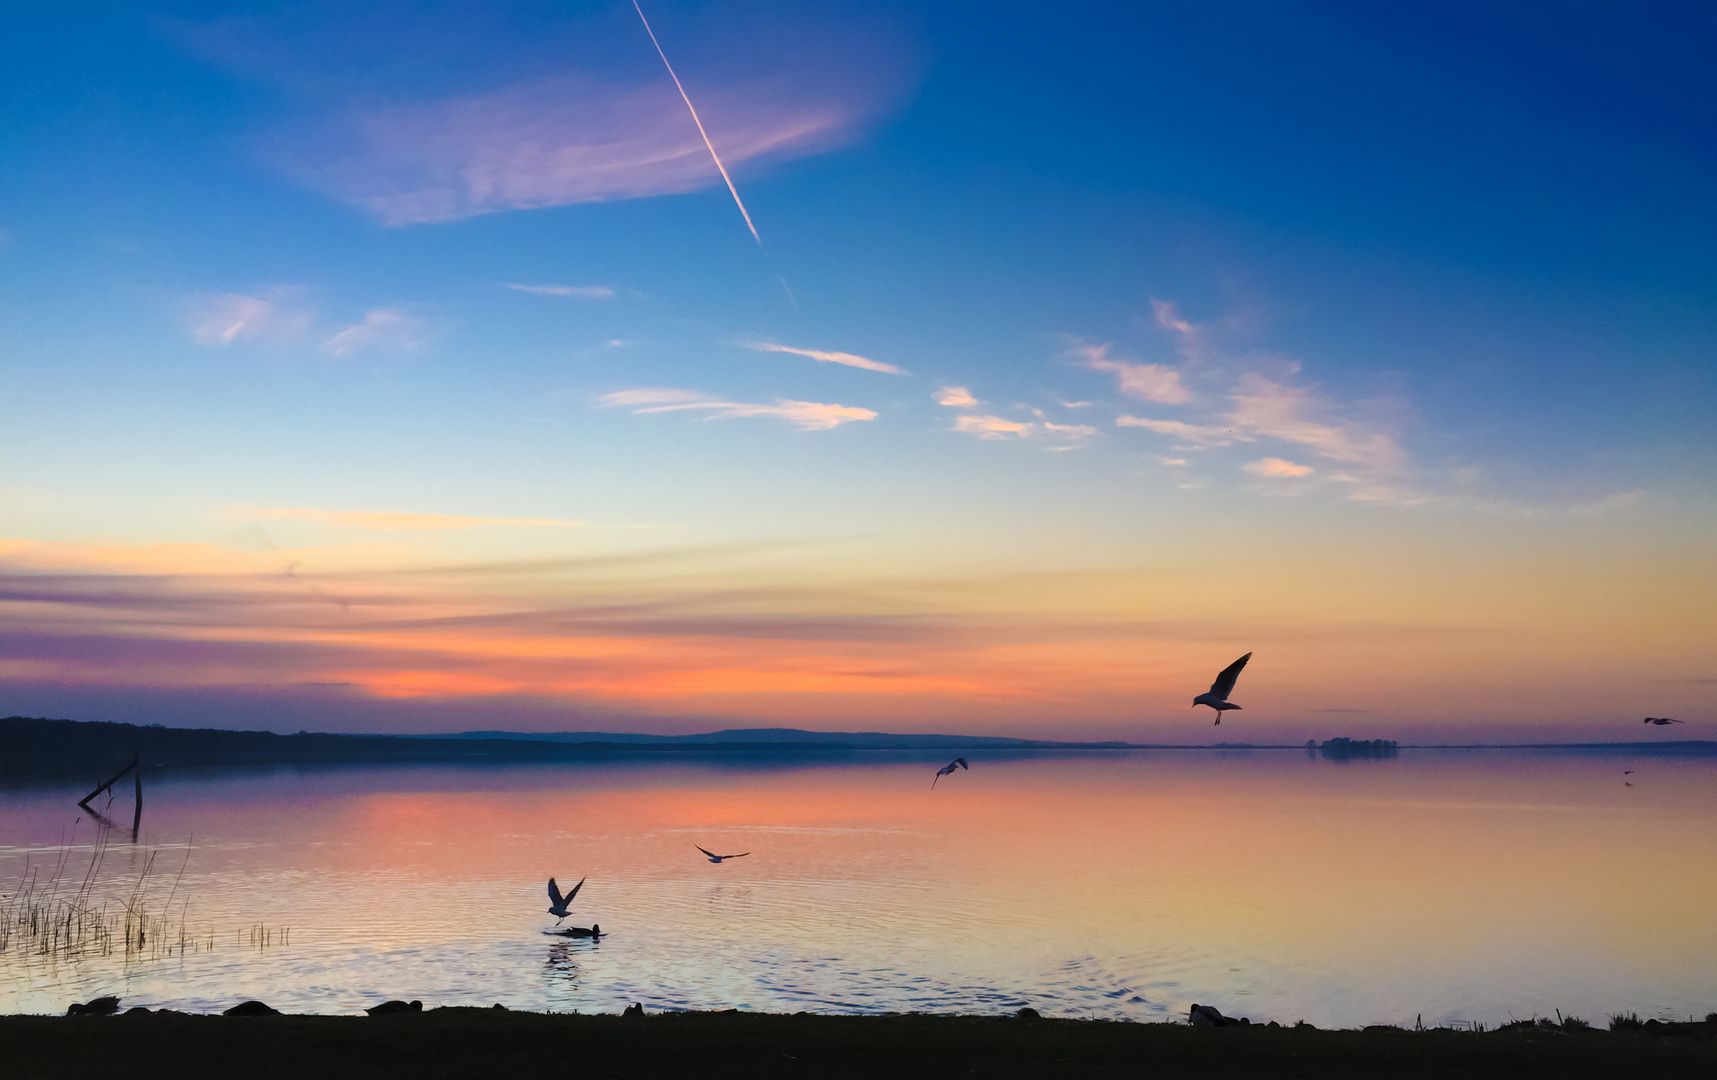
(1459, 886)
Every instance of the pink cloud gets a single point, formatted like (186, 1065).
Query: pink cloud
(1199, 436)
(1148, 382)
(1071, 431)
(1276, 467)
(555, 142)
(848, 359)
(277, 314)
(804, 415)
(1168, 317)
(992, 427)
(1263, 407)
(956, 397)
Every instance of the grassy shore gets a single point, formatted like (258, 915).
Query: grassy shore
(483, 1043)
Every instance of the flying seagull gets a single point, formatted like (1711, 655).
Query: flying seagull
(714, 858)
(1217, 698)
(557, 903)
(1661, 721)
(948, 769)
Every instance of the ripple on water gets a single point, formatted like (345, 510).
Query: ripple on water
(1123, 887)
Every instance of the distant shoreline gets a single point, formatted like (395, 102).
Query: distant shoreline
(34, 746)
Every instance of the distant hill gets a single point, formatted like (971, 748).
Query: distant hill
(32, 744)
(36, 746)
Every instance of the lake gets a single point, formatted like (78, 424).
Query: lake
(1456, 885)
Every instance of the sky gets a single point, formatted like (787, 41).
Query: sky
(412, 368)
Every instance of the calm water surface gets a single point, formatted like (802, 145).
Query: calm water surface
(1457, 885)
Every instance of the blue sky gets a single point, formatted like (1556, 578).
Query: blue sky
(1159, 292)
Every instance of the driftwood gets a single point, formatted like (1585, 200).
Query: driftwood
(107, 785)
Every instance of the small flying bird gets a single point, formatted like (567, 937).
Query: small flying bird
(1627, 772)
(557, 903)
(1217, 697)
(714, 858)
(948, 769)
(1661, 721)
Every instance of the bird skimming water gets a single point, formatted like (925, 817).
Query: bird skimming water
(1217, 697)
(1661, 721)
(557, 903)
(714, 858)
(947, 769)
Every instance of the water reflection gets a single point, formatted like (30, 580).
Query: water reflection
(1273, 885)
(561, 968)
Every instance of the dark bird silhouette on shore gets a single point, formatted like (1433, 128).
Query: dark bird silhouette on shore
(1661, 721)
(101, 1006)
(714, 858)
(1207, 1016)
(389, 1008)
(557, 903)
(1217, 696)
(957, 763)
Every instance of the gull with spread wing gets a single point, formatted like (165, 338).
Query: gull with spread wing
(957, 763)
(557, 904)
(1217, 697)
(714, 858)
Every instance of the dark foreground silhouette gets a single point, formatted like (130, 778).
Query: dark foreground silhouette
(463, 1042)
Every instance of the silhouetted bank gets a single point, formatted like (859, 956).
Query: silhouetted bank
(464, 1042)
(34, 746)
(29, 744)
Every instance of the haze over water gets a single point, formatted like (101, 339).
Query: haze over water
(1461, 885)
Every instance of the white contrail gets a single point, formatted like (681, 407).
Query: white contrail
(713, 155)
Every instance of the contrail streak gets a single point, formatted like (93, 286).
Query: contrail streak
(713, 155)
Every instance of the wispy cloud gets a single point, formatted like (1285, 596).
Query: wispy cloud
(1072, 431)
(992, 427)
(394, 521)
(654, 395)
(987, 426)
(1062, 436)
(552, 143)
(1147, 382)
(1192, 341)
(1168, 317)
(1266, 408)
(1196, 436)
(804, 415)
(388, 328)
(849, 359)
(1276, 467)
(589, 292)
(277, 314)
